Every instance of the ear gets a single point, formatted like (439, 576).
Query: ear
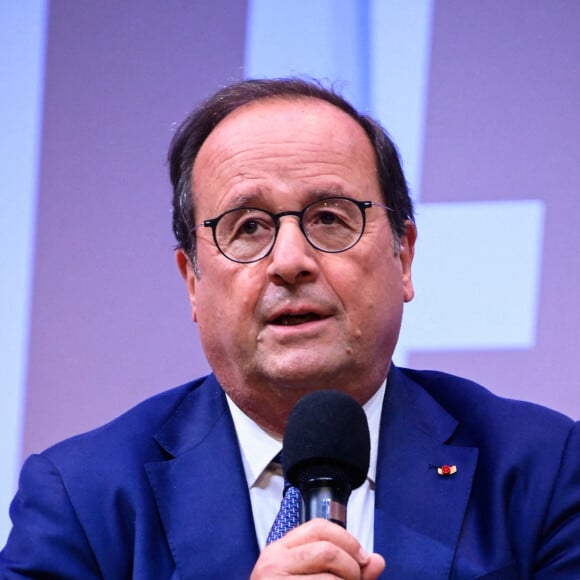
(187, 271)
(406, 253)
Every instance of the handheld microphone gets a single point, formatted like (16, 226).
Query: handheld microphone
(326, 453)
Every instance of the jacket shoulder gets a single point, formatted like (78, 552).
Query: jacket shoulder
(483, 414)
(129, 438)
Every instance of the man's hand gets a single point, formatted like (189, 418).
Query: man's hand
(318, 547)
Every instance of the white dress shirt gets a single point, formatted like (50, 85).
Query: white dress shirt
(266, 482)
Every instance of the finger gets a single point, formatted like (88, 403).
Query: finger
(374, 568)
(322, 530)
(325, 557)
(313, 559)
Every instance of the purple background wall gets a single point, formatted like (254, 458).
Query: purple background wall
(502, 123)
(110, 320)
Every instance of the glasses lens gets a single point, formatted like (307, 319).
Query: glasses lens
(333, 224)
(245, 234)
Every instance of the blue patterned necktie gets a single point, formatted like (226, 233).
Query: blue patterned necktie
(289, 514)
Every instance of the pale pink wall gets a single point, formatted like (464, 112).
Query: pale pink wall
(110, 320)
(502, 123)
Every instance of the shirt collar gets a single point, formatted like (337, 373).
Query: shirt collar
(258, 447)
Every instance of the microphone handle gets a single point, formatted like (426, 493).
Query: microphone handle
(324, 499)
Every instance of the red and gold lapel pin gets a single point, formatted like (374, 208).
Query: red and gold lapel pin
(447, 470)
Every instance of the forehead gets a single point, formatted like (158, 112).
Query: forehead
(282, 143)
(287, 121)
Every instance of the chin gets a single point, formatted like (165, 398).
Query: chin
(304, 376)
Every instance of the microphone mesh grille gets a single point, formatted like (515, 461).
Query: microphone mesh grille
(327, 436)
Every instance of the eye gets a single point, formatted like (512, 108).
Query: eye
(327, 218)
(249, 226)
(246, 223)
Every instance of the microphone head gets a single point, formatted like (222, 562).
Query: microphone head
(326, 437)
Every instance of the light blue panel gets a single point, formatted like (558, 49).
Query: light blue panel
(400, 50)
(380, 48)
(476, 274)
(22, 44)
(324, 39)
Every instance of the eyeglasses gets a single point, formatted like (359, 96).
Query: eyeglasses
(331, 224)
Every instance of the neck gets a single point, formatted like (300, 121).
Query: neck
(270, 406)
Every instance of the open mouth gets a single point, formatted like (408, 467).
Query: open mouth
(295, 319)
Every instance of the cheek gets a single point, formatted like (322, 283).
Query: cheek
(228, 298)
(375, 291)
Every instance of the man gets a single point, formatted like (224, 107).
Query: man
(295, 239)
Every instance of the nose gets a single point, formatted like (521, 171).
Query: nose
(292, 260)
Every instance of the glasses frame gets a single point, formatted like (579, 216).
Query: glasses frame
(362, 206)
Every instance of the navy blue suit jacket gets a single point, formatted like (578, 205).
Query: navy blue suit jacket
(160, 492)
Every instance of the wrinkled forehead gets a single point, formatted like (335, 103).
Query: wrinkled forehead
(283, 154)
(286, 122)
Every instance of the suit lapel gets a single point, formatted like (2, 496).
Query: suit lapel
(204, 505)
(201, 491)
(418, 512)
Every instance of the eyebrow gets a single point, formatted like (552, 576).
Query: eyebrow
(251, 199)
(258, 198)
(332, 190)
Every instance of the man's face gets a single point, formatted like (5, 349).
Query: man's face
(299, 319)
